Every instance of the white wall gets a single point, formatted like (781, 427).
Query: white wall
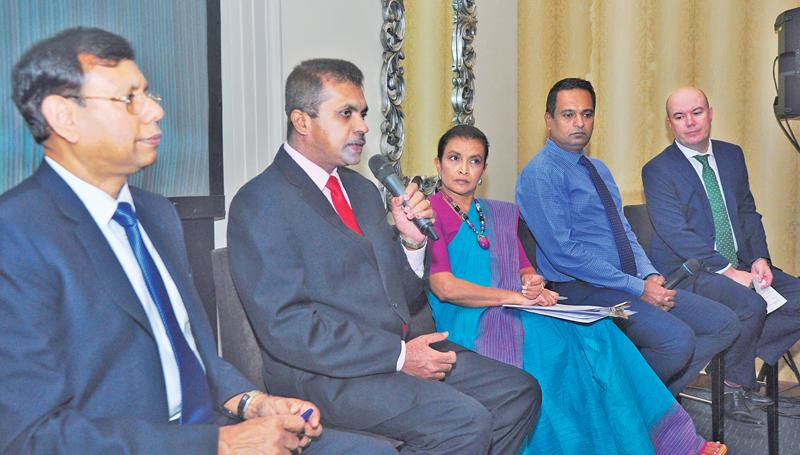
(262, 40)
(339, 29)
(252, 93)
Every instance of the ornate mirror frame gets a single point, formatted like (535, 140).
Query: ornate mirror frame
(393, 83)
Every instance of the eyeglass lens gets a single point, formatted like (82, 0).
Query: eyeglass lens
(138, 101)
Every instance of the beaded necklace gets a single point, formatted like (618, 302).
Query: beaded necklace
(483, 242)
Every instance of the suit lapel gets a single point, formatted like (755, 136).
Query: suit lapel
(109, 273)
(168, 245)
(392, 286)
(727, 175)
(311, 194)
(685, 172)
(154, 224)
(358, 203)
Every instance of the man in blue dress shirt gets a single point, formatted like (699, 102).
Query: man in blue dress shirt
(588, 252)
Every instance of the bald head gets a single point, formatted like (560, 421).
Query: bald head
(686, 91)
(689, 117)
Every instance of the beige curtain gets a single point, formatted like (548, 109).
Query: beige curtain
(428, 75)
(636, 52)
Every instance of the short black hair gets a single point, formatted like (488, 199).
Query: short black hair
(465, 132)
(305, 83)
(569, 83)
(52, 67)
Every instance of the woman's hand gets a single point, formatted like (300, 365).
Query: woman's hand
(532, 285)
(546, 298)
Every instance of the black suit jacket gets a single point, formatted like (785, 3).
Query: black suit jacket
(324, 301)
(79, 367)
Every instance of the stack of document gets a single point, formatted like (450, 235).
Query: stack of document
(578, 313)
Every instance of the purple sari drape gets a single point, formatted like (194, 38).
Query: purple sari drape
(500, 333)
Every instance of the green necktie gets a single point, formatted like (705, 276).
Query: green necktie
(722, 225)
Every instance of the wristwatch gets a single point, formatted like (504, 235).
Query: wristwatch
(244, 403)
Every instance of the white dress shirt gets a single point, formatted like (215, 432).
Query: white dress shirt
(416, 258)
(101, 207)
(698, 168)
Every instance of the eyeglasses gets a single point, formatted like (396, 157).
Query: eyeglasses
(134, 102)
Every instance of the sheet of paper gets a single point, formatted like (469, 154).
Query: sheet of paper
(773, 298)
(568, 316)
(575, 313)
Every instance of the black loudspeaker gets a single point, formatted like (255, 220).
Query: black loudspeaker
(788, 27)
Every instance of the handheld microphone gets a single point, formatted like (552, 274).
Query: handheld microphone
(687, 269)
(385, 173)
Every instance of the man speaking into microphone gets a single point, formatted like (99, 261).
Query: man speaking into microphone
(330, 289)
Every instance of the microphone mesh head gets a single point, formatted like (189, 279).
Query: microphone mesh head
(380, 167)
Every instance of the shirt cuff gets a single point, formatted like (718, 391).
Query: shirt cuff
(724, 269)
(647, 271)
(416, 259)
(401, 360)
(635, 285)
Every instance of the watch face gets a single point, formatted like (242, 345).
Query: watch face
(247, 397)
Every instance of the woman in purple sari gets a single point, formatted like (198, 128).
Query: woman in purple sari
(599, 394)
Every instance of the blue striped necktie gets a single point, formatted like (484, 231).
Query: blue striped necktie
(626, 258)
(196, 403)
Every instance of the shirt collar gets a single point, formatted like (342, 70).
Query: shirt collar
(572, 157)
(101, 205)
(318, 175)
(689, 153)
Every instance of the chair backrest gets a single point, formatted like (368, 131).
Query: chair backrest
(640, 223)
(237, 341)
(528, 241)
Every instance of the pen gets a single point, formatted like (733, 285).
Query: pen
(305, 415)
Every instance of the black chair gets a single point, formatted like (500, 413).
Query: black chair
(639, 220)
(527, 240)
(237, 342)
(640, 223)
(788, 357)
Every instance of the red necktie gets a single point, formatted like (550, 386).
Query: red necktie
(341, 206)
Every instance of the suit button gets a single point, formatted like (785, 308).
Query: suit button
(394, 305)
